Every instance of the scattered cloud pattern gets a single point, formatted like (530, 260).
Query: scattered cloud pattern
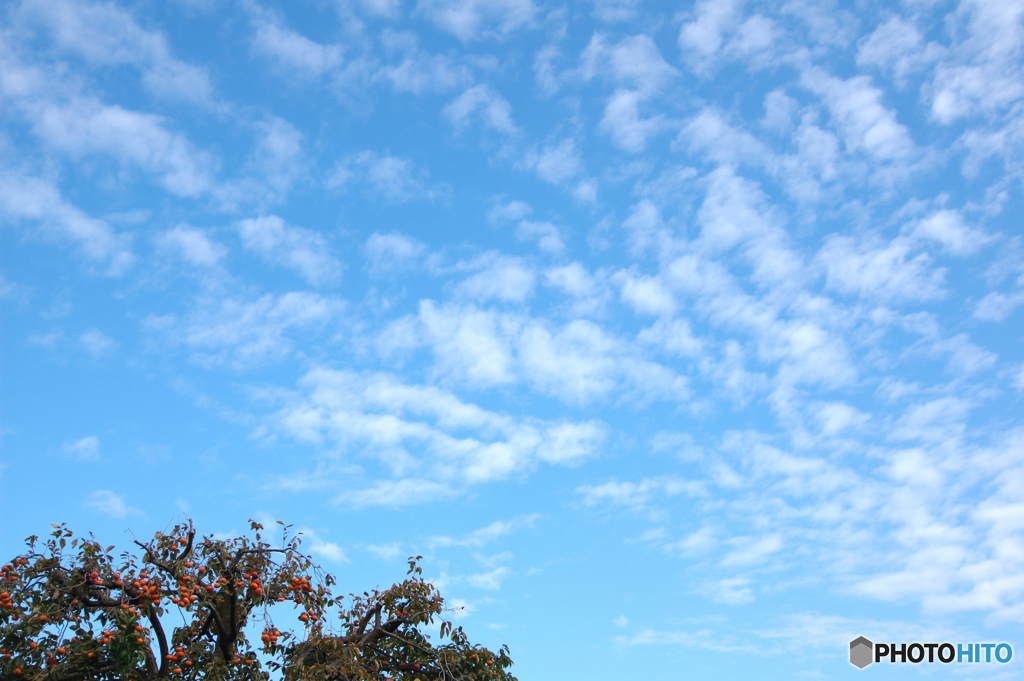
(722, 301)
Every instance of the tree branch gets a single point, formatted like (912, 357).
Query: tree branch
(365, 619)
(151, 559)
(78, 676)
(205, 629)
(161, 638)
(151, 662)
(409, 643)
(188, 547)
(215, 616)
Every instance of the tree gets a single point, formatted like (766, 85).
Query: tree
(73, 612)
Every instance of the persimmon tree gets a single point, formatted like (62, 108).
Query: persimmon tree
(70, 611)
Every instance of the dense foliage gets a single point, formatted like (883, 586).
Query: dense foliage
(72, 611)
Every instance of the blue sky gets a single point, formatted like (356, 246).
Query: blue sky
(681, 340)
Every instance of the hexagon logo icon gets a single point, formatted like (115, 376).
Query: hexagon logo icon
(861, 652)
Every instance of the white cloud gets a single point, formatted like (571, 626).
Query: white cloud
(1018, 378)
(940, 420)
(623, 123)
(806, 349)
(488, 580)
(486, 535)
(390, 253)
(580, 363)
(137, 139)
(750, 551)
(646, 295)
(705, 638)
(588, 297)
(419, 71)
(97, 343)
(480, 100)
(1000, 140)
(577, 362)
(324, 550)
(585, 191)
(108, 503)
(964, 356)
(710, 134)
(674, 336)
(982, 74)
(175, 79)
(645, 228)
(294, 53)
(903, 535)
(778, 110)
(635, 494)
(828, 22)
(912, 467)
(501, 278)
(391, 178)
(475, 19)
(46, 340)
(99, 32)
(818, 161)
(39, 201)
(278, 156)
(718, 30)
(704, 35)
(469, 343)
(433, 442)
(889, 271)
(426, 73)
(246, 333)
(995, 306)
(299, 249)
(857, 109)
(549, 81)
(947, 227)
(547, 235)
(838, 417)
(700, 542)
(385, 551)
(509, 212)
(809, 354)
(734, 212)
(397, 493)
(105, 34)
(754, 40)
(85, 449)
(573, 279)
(192, 245)
(833, 631)
(634, 61)
(731, 590)
(555, 164)
(897, 47)
(568, 442)
(328, 551)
